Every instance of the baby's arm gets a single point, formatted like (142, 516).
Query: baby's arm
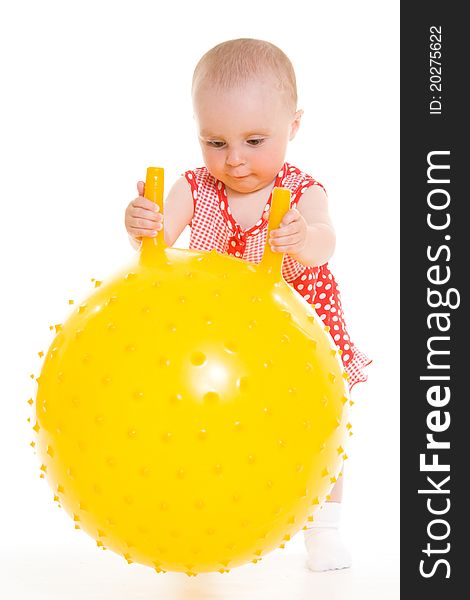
(143, 218)
(306, 233)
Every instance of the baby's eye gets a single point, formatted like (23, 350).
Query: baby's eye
(215, 143)
(255, 141)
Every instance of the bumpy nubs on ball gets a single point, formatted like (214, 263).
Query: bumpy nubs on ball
(190, 414)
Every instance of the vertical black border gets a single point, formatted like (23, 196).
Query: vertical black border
(421, 133)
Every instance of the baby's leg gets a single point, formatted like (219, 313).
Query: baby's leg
(326, 550)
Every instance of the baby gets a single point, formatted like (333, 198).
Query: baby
(245, 107)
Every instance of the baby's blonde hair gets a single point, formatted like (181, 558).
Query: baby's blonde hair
(235, 62)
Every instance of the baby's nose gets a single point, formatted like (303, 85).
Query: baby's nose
(234, 158)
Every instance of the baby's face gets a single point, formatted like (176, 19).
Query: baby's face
(244, 133)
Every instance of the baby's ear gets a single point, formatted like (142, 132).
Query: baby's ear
(295, 124)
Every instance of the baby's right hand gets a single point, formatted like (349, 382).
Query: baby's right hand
(143, 217)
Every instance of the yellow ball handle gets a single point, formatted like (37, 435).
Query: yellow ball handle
(280, 204)
(153, 247)
(154, 185)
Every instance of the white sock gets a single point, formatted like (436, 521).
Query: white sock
(326, 550)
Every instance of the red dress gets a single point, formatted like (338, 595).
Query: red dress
(213, 227)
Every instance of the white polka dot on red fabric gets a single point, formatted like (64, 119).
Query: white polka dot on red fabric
(335, 318)
(195, 194)
(310, 287)
(255, 231)
(307, 297)
(323, 317)
(317, 305)
(233, 243)
(190, 175)
(336, 327)
(280, 174)
(333, 309)
(327, 306)
(303, 278)
(346, 346)
(321, 296)
(328, 286)
(319, 283)
(222, 205)
(345, 336)
(219, 185)
(337, 337)
(346, 357)
(300, 287)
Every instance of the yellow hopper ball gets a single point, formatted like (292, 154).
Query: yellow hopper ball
(190, 414)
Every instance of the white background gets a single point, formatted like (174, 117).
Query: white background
(93, 93)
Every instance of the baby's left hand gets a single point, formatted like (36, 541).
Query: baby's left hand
(291, 235)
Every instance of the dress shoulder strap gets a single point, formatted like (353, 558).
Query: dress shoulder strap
(202, 184)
